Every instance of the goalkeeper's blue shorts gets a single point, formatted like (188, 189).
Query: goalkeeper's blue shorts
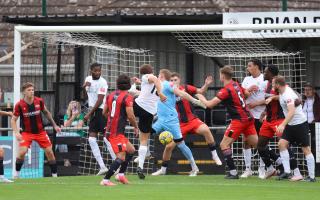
(172, 126)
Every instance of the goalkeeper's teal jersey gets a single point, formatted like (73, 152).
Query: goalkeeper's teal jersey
(167, 110)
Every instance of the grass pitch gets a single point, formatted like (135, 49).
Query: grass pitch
(163, 187)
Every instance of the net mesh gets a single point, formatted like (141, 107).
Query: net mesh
(89, 166)
(237, 48)
(115, 60)
(212, 44)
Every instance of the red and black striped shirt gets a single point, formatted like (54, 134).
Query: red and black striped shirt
(30, 115)
(232, 96)
(117, 102)
(274, 110)
(184, 107)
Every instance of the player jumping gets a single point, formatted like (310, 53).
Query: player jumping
(189, 122)
(168, 116)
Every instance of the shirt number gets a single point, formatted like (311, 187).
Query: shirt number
(113, 109)
(154, 91)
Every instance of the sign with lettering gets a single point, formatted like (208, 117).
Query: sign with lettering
(272, 18)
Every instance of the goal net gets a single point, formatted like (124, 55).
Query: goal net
(57, 77)
(237, 48)
(229, 44)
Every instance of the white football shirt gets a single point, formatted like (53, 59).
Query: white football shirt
(257, 96)
(148, 97)
(97, 87)
(288, 97)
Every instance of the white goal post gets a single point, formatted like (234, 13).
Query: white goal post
(309, 29)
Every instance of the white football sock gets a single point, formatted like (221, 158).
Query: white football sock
(163, 169)
(142, 152)
(261, 163)
(214, 154)
(109, 147)
(279, 161)
(270, 168)
(296, 172)
(233, 172)
(193, 164)
(311, 165)
(96, 151)
(247, 158)
(285, 161)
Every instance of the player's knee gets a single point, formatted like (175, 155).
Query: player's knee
(170, 147)
(92, 134)
(224, 145)
(282, 144)
(306, 150)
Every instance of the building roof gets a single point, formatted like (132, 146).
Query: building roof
(118, 18)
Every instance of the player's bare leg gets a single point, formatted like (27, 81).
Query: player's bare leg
(96, 152)
(142, 152)
(52, 161)
(122, 160)
(206, 133)
(19, 161)
(225, 146)
(166, 156)
(129, 154)
(2, 178)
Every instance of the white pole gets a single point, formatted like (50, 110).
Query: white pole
(167, 28)
(16, 90)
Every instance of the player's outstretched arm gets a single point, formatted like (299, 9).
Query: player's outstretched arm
(188, 97)
(153, 79)
(9, 114)
(211, 103)
(48, 115)
(204, 88)
(133, 90)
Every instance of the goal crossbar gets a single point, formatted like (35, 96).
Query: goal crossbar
(166, 28)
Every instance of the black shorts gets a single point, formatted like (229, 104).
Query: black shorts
(297, 134)
(257, 125)
(145, 118)
(97, 122)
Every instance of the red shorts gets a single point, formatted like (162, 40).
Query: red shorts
(190, 127)
(41, 138)
(237, 127)
(268, 129)
(118, 143)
